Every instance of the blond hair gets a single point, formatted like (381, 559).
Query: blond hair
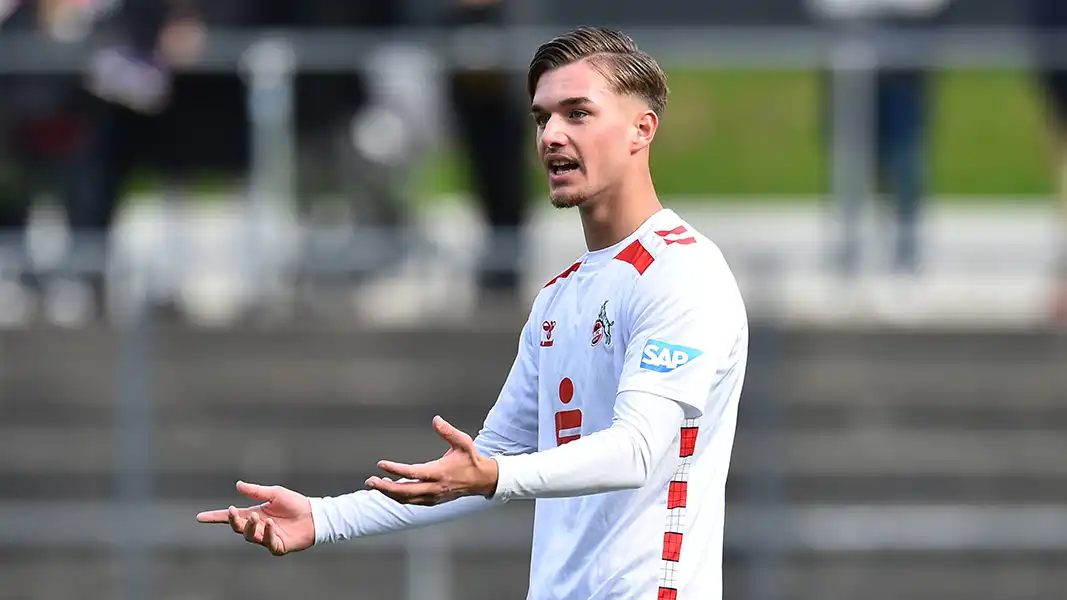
(613, 54)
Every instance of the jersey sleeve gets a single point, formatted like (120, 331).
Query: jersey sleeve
(514, 414)
(682, 326)
(366, 513)
(621, 457)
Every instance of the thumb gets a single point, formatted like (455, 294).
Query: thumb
(455, 438)
(256, 492)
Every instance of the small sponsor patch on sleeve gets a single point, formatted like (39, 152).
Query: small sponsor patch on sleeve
(662, 357)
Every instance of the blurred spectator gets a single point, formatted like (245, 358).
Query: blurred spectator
(1048, 20)
(900, 113)
(56, 141)
(492, 119)
(79, 138)
(328, 107)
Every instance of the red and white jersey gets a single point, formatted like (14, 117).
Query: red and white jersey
(660, 313)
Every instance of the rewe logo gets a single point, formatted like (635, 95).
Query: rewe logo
(663, 357)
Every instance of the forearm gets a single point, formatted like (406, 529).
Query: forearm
(619, 458)
(367, 513)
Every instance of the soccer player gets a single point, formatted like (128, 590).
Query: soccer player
(618, 414)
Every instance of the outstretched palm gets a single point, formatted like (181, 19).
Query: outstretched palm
(282, 523)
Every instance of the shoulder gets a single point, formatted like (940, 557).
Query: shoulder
(685, 269)
(548, 291)
(682, 258)
(671, 244)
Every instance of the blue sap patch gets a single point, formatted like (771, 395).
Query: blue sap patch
(663, 357)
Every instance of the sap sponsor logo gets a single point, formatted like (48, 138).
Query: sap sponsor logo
(663, 357)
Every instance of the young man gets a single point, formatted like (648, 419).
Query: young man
(619, 412)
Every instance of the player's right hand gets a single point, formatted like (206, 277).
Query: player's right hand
(281, 524)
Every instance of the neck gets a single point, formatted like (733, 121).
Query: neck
(610, 218)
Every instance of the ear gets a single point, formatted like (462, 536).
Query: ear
(645, 125)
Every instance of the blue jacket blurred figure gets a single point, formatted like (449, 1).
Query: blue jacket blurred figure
(900, 114)
(1047, 20)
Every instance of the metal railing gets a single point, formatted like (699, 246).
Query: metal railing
(269, 60)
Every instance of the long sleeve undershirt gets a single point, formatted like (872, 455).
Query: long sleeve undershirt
(618, 458)
(366, 512)
(621, 457)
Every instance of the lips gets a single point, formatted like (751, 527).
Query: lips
(559, 165)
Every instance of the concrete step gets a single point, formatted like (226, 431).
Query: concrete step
(917, 577)
(755, 411)
(277, 452)
(744, 486)
(957, 382)
(239, 574)
(190, 370)
(248, 572)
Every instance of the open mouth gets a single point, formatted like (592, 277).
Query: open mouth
(562, 167)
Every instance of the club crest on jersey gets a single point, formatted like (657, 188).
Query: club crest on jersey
(602, 327)
(663, 357)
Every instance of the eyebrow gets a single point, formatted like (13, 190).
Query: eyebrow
(572, 101)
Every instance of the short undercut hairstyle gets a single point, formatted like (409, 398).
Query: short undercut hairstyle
(613, 54)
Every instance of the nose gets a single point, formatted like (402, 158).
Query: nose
(553, 134)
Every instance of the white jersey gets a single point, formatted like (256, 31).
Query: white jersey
(659, 313)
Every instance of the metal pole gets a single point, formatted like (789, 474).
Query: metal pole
(429, 565)
(765, 487)
(853, 62)
(136, 468)
(270, 65)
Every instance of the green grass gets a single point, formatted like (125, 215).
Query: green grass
(760, 134)
(990, 135)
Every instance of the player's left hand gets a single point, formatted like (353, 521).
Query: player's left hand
(462, 471)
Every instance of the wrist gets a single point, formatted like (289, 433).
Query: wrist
(491, 470)
(320, 521)
(503, 486)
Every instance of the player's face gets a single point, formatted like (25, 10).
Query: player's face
(583, 133)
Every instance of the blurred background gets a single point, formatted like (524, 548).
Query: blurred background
(269, 240)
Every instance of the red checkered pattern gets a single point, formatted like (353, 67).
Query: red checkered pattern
(677, 495)
(667, 594)
(672, 546)
(689, 441)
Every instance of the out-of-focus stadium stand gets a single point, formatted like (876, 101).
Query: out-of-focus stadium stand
(868, 464)
(899, 436)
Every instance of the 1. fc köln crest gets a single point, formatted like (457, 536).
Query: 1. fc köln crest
(602, 327)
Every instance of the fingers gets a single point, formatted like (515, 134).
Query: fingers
(455, 438)
(251, 524)
(236, 520)
(421, 493)
(271, 539)
(253, 529)
(404, 471)
(236, 516)
(223, 515)
(213, 516)
(257, 492)
(434, 470)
